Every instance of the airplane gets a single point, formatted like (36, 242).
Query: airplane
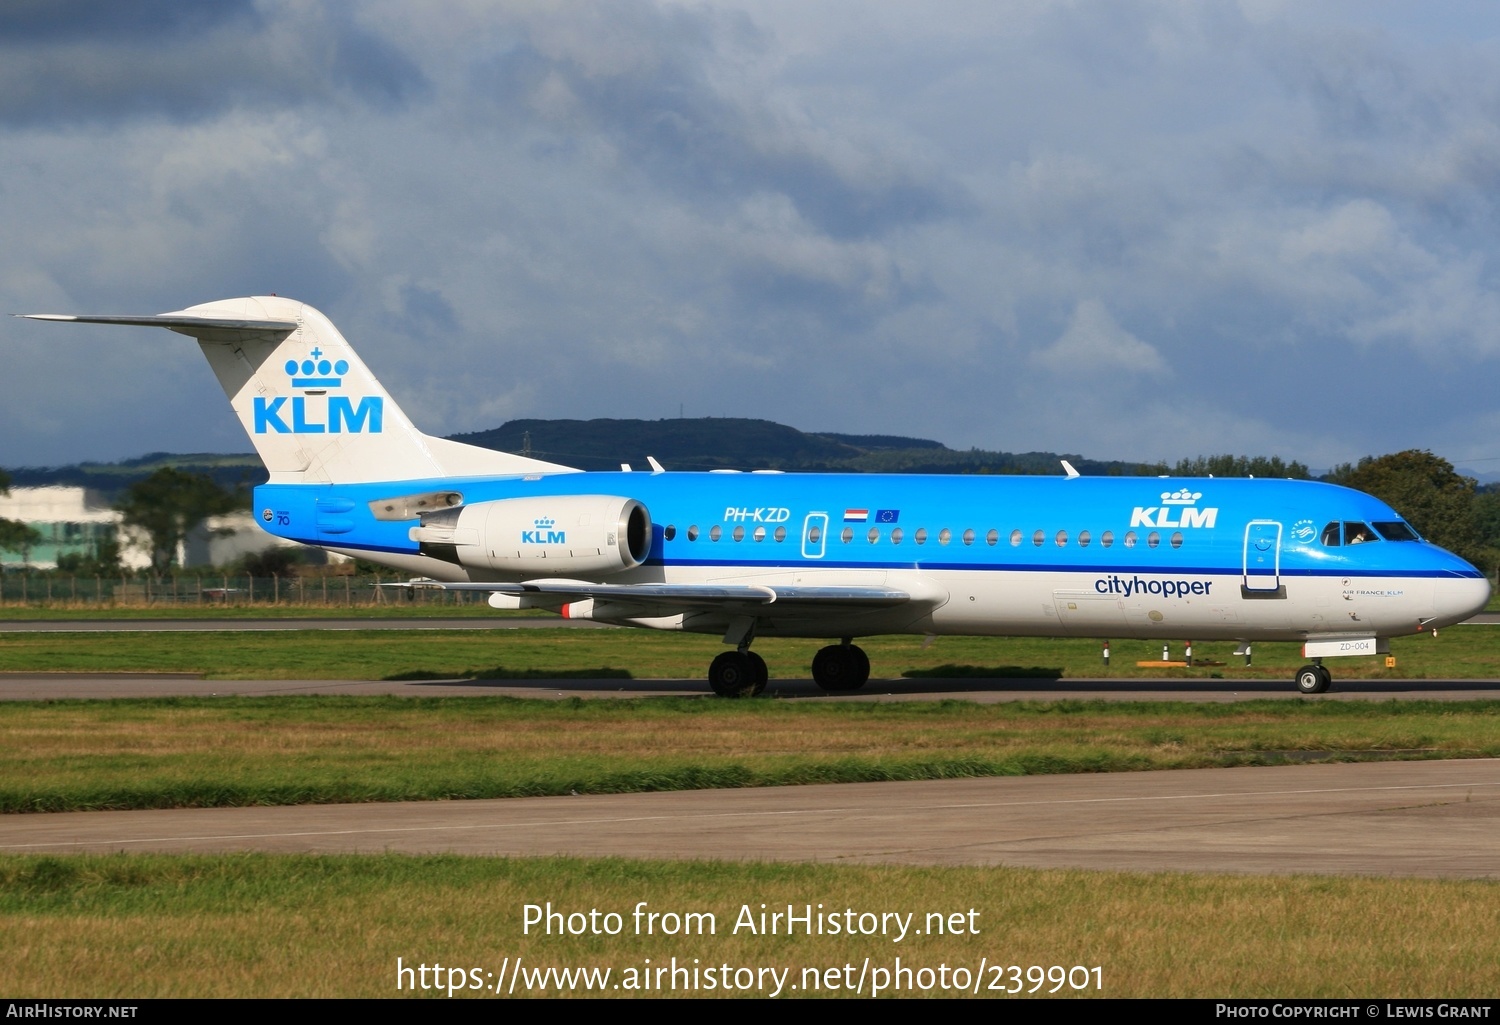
(824, 555)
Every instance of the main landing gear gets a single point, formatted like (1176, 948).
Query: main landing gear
(742, 673)
(738, 674)
(841, 667)
(1314, 679)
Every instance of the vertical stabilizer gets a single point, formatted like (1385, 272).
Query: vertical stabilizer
(311, 407)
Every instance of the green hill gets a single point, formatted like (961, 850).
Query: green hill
(706, 443)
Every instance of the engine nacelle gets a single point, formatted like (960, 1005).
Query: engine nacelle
(558, 536)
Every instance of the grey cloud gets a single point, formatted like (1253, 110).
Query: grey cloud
(658, 101)
(119, 62)
(33, 22)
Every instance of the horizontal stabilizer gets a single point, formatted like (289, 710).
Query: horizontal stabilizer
(176, 321)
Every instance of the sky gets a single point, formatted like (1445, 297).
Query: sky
(1129, 229)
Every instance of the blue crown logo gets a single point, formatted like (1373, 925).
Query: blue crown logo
(316, 372)
(544, 523)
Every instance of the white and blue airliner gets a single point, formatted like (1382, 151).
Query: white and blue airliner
(836, 556)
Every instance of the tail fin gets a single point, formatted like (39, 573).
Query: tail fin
(312, 408)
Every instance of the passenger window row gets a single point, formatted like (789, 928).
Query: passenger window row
(944, 536)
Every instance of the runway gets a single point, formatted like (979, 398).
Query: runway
(1425, 819)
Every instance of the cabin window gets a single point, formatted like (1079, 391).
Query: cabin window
(1062, 539)
(1130, 539)
(739, 533)
(1331, 535)
(693, 532)
(1177, 539)
(968, 537)
(715, 532)
(1396, 530)
(873, 535)
(992, 538)
(1153, 539)
(1039, 538)
(669, 533)
(921, 535)
(1015, 539)
(944, 536)
(896, 536)
(1084, 537)
(780, 534)
(847, 535)
(760, 534)
(814, 535)
(1107, 539)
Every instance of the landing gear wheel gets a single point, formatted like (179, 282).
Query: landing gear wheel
(1313, 679)
(735, 674)
(841, 667)
(762, 674)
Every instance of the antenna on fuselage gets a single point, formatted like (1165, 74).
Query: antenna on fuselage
(1068, 469)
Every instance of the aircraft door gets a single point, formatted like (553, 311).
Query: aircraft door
(1262, 557)
(814, 535)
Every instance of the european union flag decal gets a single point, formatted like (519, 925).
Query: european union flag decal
(887, 515)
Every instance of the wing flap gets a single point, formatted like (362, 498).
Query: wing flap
(740, 599)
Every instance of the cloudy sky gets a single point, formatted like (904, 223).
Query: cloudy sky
(1133, 230)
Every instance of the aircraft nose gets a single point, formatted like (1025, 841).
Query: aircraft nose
(1456, 599)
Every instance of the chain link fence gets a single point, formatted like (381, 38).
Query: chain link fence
(41, 588)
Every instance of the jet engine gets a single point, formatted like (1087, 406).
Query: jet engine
(554, 536)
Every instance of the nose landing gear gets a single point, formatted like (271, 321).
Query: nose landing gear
(1314, 679)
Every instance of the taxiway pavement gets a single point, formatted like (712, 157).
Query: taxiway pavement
(1426, 819)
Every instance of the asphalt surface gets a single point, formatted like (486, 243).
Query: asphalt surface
(1432, 819)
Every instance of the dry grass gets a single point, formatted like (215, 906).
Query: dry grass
(310, 926)
(218, 751)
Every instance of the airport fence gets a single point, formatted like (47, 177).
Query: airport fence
(56, 589)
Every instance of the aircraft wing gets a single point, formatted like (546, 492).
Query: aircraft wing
(753, 600)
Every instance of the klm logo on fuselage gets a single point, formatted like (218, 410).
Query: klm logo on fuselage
(1177, 509)
(313, 413)
(544, 534)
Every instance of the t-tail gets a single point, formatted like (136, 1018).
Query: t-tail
(312, 408)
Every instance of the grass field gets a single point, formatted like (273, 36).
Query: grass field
(253, 925)
(1459, 653)
(192, 752)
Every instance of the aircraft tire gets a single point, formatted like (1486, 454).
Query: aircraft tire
(734, 675)
(840, 668)
(1313, 679)
(762, 673)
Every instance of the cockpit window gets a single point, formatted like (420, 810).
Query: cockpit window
(1356, 533)
(1396, 530)
(1331, 535)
